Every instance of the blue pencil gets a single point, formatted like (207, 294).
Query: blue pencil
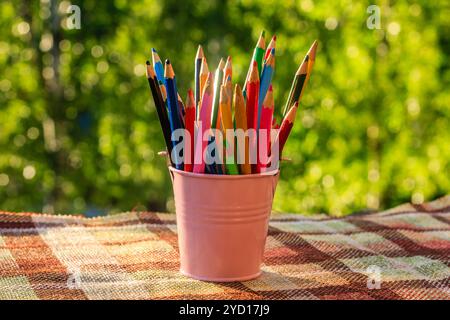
(158, 66)
(266, 79)
(173, 108)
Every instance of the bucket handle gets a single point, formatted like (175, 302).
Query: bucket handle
(274, 183)
(165, 154)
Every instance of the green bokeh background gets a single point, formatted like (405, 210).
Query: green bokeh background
(79, 132)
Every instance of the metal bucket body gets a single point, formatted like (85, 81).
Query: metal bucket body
(222, 223)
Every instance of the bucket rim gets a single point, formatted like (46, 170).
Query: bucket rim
(261, 175)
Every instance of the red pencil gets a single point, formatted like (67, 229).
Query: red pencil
(189, 120)
(252, 96)
(266, 124)
(286, 126)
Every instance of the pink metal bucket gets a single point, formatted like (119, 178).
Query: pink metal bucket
(222, 223)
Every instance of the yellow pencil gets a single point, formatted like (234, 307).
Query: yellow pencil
(204, 73)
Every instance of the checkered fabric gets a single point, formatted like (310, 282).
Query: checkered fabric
(403, 253)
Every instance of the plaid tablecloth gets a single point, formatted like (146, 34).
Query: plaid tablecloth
(403, 253)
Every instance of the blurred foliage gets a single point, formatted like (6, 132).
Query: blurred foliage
(79, 131)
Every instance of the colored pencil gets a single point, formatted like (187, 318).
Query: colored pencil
(159, 105)
(286, 127)
(173, 108)
(266, 124)
(252, 96)
(227, 124)
(312, 58)
(229, 89)
(227, 70)
(266, 80)
(258, 54)
(297, 84)
(198, 64)
(217, 82)
(271, 46)
(205, 120)
(204, 73)
(158, 66)
(228, 74)
(189, 120)
(181, 107)
(242, 152)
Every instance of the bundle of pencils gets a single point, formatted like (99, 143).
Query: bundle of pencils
(224, 129)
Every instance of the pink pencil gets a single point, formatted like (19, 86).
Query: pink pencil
(205, 119)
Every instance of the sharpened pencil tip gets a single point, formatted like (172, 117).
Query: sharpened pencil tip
(153, 50)
(200, 53)
(167, 61)
(263, 33)
(147, 62)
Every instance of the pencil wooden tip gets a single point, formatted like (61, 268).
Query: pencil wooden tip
(190, 100)
(270, 87)
(274, 38)
(209, 87)
(237, 88)
(150, 70)
(221, 64)
(268, 100)
(261, 42)
(155, 56)
(238, 97)
(228, 63)
(168, 70)
(200, 53)
(303, 69)
(263, 33)
(254, 74)
(290, 116)
(223, 98)
(312, 50)
(204, 68)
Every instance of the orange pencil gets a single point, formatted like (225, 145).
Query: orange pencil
(240, 117)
